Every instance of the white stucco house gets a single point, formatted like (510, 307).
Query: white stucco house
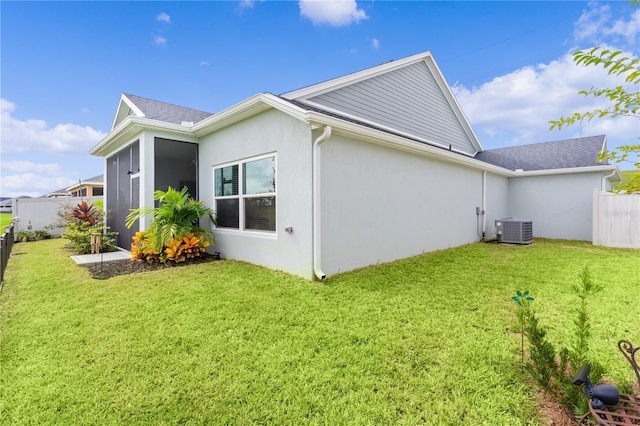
(371, 167)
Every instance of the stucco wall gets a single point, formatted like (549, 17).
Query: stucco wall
(380, 204)
(560, 206)
(497, 206)
(290, 140)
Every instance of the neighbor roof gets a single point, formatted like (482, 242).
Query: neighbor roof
(163, 111)
(562, 154)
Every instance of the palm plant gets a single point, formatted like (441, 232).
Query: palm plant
(176, 216)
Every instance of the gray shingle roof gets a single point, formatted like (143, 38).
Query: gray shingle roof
(169, 113)
(563, 154)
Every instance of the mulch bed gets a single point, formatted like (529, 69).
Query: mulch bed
(105, 270)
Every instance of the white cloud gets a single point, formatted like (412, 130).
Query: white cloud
(32, 185)
(516, 108)
(337, 13)
(36, 135)
(375, 43)
(596, 26)
(21, 165)
(159, 40)
(163, 17)
(247, 4)
(204, 63)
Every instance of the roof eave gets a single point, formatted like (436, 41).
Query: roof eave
(131, 126)
(616, 177)
(345, 80)
(245, 109)
(383, 138)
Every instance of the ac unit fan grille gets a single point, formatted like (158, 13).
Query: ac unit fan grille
(514, 231)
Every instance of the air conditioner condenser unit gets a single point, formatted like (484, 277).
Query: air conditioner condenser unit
(514, 230)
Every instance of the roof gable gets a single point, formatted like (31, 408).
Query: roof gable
(408, 97)
(131, 105)
(562, 154)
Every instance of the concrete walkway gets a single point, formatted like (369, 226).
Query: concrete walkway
(90, 259)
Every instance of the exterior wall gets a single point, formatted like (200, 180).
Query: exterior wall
(408, 100)
(497, 206)
(560, 206)
(290, 139)
(88, 191)
(380, 204)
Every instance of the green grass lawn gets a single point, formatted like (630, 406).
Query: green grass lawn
(5, 220)
(428, 340)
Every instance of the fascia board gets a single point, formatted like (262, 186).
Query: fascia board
(336, 83)
(131, 126)
(573, 170)
(133, 106)
(84, 183)
(245, 109)
(381, 138)
(390, 129)
(126, 101)
(453, 102)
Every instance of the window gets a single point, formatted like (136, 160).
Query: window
(245, 194)
(97, 191)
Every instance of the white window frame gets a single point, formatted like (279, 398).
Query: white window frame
(241, 196)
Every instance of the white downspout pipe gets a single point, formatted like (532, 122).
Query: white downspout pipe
(484, 203)
(317, 259)
(604, 179)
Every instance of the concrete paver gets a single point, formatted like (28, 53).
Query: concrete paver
(90, 259)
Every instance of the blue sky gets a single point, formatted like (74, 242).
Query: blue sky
(65, 64)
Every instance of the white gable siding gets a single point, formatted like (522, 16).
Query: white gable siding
(407, 100)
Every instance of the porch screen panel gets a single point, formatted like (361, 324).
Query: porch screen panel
(124, 196)
(112, 192)
(176, 165)
(135, 158)
(120, 168)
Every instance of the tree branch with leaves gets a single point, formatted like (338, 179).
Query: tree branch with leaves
(623, 103)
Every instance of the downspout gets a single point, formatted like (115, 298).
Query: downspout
(317, 270)
(604, 179)
(484, 204)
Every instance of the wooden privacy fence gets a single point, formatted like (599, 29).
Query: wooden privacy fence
(6, 244)
(616, 219)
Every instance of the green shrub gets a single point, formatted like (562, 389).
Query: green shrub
(553, 368)
(175, 223)
(83, 220)
(79, 234)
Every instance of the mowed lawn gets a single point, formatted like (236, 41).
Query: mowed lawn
(5, 220)
(427, 340)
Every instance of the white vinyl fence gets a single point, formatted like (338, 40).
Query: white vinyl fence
(616, 219)
(41, 213)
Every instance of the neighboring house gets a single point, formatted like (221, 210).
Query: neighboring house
(371, 167)
(5, 205)
(91, 187)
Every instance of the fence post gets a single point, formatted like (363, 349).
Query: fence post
(3, 257)
(596, 218)
(6, 244)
